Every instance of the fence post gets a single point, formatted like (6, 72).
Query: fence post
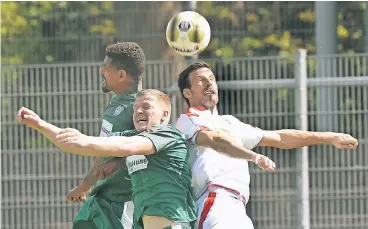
(301, 121)
(174, 114)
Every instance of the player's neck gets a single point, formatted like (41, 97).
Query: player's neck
(130, 89)
(213, 110)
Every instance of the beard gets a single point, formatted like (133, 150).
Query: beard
(104, 87)
(210, 101)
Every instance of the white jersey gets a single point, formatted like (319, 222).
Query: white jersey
(207, 165)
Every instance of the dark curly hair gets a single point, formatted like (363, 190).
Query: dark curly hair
(128, 56)
(184, 81)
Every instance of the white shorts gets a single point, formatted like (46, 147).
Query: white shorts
(219, 209)
(127, 217)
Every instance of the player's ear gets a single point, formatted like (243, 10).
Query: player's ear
(165, 117)
(122, 75)
(187, 93)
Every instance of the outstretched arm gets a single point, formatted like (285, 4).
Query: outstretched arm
(97, 171)
(230, 147)
(203, 136)
(100, 171)
(74, 142)
(291, 139)
(225, 145)
(32, 120)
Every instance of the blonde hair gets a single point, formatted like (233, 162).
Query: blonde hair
(159, 95)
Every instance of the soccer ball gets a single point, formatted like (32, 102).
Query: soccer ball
(188, 33)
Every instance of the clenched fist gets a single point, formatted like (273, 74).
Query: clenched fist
(344, 141)
(29, 117)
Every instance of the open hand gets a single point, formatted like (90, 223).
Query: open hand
(72, 139)
(78, 194)
(265, 163)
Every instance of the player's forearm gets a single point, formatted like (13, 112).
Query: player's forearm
(91, 177)
(230, 147)
(115, 146)
(225, 145)
(50, 131)
(291, 139)
(103, 170)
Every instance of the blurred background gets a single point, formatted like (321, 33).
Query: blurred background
(51, 52)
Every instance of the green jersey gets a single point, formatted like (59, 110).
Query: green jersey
(118, 116)
(162, 181)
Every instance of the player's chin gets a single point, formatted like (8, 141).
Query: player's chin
(210, 104)
(105, 89)
(140, 127)
(210, 100)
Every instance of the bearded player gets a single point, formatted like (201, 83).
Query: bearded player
(157, 162)
(109, 205)
(221, 183)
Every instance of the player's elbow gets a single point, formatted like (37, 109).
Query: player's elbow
(285, 140)
(278, 143)
(220, 143)
(213, 140)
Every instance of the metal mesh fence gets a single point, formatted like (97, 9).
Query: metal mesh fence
(36, 176)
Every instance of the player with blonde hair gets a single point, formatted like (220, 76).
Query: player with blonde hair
(109, 202)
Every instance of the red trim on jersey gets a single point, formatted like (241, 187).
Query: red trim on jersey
(205, 128)
(196, 108)
(206, 208)
(191, 114)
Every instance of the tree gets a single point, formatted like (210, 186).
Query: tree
(276, 28)
(46, 32)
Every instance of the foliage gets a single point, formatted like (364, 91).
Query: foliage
(44, 32)
(29, 30)
(276, 28)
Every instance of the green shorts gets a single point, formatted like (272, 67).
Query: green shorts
(99, 213)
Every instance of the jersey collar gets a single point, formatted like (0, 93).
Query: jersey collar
(201, 110)
(124, 96)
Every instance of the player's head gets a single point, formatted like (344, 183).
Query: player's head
(123, 66)
(198, 85)
(151, 107)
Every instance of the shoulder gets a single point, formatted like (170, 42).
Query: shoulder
(155, 129)
(163, 128)
(187, 118)
(231, 119)
(164, 136)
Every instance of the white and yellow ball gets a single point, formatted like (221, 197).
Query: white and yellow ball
(188, 33)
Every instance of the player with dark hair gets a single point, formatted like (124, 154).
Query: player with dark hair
(109, 205)
(221, 182)
(156, 160)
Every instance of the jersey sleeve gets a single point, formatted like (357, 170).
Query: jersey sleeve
(163, 138)
(250, 136)
(127, 133)
(190, 129)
